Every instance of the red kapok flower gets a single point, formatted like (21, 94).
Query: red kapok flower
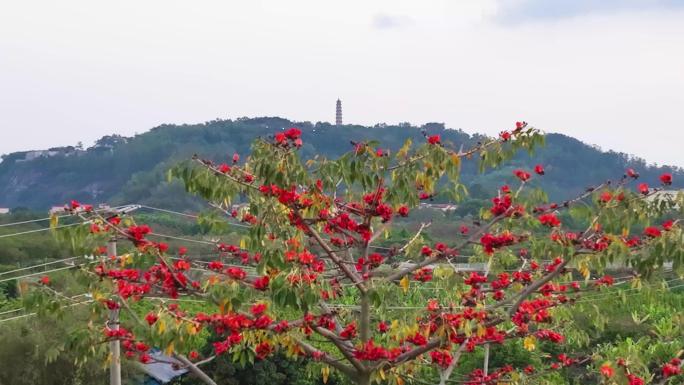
(262, 283)
(666, 178)
(632, 174)
(672, 368)
(434, 139)
(383, 327)
(45, 280)
(606, 197)
(403, 211)
(258, 308)
(607, 371)
(652, 232)
(151, 318)
(549, 220)
(539, 169)
(643, 188)
(522, 175)
(634, 380)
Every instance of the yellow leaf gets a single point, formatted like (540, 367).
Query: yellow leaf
(584, 269)
(395, 324)
(54, 220)
(400, 381)
(325, 372)
(455, 159)
(404, 283)
(169, 349)
(161, 326)
(529, 343)
(382, 374)
(481, 331)
(192, 330)
(243, 243)
(404, 149)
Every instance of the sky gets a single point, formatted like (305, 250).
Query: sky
(608, 72)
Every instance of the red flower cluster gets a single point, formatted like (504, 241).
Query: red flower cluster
(263, 350)
(666, 179)
(262, 283)
(475, 279)
(550, 220)
(349, 331)
(291, 136)
(441, 358)
(634, 380)
(652, 232)
(417, 339)
(151, 318)
(550, 335)
(435, 139)
(477, 376)
(423, 275)
(522, 175)
(492, 242)
(371, 352)
(607, 371)
(500, 205)
(672, 368)
(137, 233)
(223, 346)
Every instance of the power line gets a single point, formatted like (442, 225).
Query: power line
(58, 217)
(169, 211)
(44, 272)
(39, 230)
(39, 265)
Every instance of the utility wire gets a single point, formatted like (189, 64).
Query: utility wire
(58, 217)
(39, 230)
(39, 265)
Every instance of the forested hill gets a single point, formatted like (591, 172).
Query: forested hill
(132, 170)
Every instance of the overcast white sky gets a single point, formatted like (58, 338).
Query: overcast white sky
(609, 72)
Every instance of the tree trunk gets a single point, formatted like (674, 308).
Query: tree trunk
(365, 318)
(363, 379)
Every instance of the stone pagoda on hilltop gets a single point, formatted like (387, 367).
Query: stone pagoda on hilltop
(338, 113)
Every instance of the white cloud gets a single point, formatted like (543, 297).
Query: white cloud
(76, 70)
(387, 21)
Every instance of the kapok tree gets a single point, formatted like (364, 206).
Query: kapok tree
(314, 275)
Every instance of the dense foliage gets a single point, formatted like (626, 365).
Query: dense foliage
(309, 280)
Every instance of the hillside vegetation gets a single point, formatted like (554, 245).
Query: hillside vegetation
(139, 163)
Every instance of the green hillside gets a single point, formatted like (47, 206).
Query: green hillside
(131, 170)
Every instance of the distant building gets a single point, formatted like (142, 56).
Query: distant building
(445, 207)
(4, 210)
(338, 113)
(57, 210)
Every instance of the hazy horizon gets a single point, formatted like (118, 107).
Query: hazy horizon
(608, 73)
